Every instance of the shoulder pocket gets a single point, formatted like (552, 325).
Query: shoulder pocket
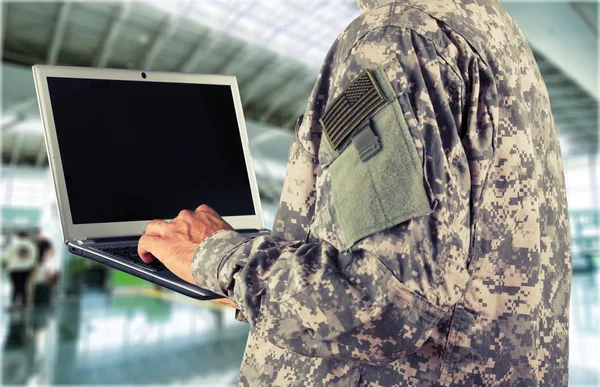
(377, 177)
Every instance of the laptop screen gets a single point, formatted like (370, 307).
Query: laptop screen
(146, 150)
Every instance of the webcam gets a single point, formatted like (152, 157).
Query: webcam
(143, 75)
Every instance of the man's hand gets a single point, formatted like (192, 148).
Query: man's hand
(226, 302)
(175, 243)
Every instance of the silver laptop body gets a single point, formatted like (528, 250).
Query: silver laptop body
(128, 146)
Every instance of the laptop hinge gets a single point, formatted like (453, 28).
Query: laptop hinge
(247, 230)
(83, 242)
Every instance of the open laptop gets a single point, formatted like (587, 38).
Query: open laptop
(127, 146)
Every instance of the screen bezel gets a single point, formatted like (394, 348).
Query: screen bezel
(116, 229)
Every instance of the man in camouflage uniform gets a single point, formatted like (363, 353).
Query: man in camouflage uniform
(422, 236)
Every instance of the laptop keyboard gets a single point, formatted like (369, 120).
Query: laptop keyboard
(129, 253)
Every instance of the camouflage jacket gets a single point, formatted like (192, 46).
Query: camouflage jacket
(422, 235)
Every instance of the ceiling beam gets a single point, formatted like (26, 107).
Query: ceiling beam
(21, 106)
(290, 92)
(579, 152)
(17, 114)
(15, 57)
(256, 84)
(571, 91)
(266, 136)
(575, 115)
(589, 132)
(220, 67)
(41, 156)
(241, 59)
(59, 32)
(11, 122)
(555, 79)
(561, 36)
(4, 11)
(291, 123)
(190, 64)
(18, 147)
(576, 140)
(165, 33)
(583, 102)
(118, 22)
(583, 121)
(234, 67)
(581, 128)
(576, 137)
(544, 65)
(283, 80)
(202, 49)
(250, 76)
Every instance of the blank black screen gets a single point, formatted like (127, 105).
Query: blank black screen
(146, 150)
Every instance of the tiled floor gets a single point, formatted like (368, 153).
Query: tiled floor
(127, 339)
(150, 337)
(584, 332)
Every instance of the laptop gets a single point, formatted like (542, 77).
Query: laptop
(126, 147)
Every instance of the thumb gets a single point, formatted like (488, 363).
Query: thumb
(147, 246)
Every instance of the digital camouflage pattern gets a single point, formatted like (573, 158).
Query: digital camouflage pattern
(476, 291)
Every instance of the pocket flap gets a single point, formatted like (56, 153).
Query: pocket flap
(371, 194)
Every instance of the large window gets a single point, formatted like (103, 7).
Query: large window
(582, 176)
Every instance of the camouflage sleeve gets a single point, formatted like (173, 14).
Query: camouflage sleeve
(362, 287)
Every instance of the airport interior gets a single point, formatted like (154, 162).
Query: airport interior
(88, 324)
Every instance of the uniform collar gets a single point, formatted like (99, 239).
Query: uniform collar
(367, 5)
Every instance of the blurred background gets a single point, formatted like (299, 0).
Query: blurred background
(86, 324)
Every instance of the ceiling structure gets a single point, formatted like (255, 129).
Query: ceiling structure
(273, 48)
(564, 38)
(274, 51)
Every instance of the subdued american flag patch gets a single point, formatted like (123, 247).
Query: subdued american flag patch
(348, 110)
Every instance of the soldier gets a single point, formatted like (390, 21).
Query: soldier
(422, 235)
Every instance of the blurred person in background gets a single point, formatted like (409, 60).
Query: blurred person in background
(21, 259)
(45, 274)
(45, 248)
(422, 235)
